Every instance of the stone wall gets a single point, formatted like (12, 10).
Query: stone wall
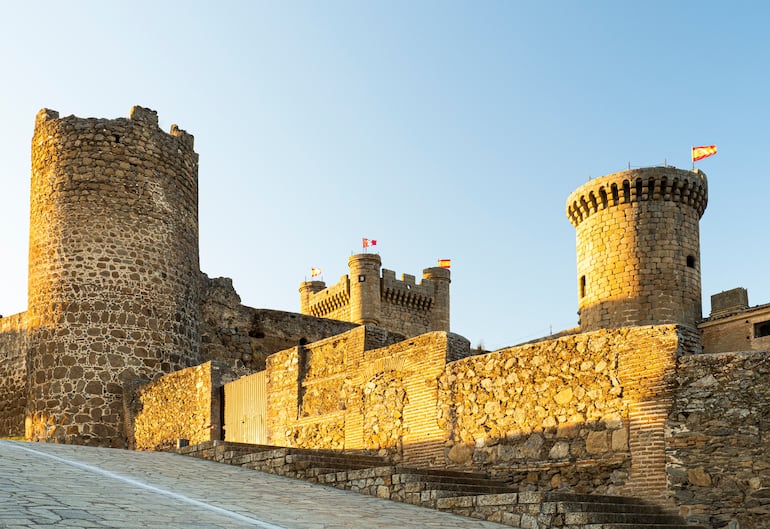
(13, 374)
(182, 405)
(365, 390)
(718, 440)
(583, 412)
(244, 337)
(537, 414)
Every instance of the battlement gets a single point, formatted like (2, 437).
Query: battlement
(321, 302)
(649, 183)
(406, 292)
(371, 295)
(109, 127)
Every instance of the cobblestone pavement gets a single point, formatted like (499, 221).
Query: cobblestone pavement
(64, 486)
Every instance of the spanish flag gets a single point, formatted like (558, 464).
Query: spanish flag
(315, 272)
(704, 151)
(444, 263)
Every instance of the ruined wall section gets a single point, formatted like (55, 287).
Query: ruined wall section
(718, 439)
(244, 337)
(181, 405)
(113, 268)
(13, 374)
(638, 249)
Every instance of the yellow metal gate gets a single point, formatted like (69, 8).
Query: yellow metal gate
(246, 410)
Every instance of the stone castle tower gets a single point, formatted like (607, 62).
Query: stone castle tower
(113, 268)
(366, 298)
(638, 247)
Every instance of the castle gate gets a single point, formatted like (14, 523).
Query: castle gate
(246, 409)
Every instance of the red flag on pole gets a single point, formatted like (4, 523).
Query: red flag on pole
(369, 242)
(704, 151)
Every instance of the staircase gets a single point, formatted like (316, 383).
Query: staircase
(471, 494)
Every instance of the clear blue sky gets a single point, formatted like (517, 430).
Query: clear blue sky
(441, 129)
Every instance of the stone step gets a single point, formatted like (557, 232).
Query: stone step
(632, 526)
(453, 474)
(590, 498)
(581, 518)
(400, 477)
(576, 506)
(463, 489)
(341, 462)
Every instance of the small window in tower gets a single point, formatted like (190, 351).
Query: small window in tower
(582, 286)
(690, 261)
(762, 329)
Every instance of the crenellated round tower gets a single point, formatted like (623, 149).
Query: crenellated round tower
(113, 268)
(638, 247)
(365, 288)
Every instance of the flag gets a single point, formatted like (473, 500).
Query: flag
(444, 263)
(315, 272)
(704, 151)
(369, 242)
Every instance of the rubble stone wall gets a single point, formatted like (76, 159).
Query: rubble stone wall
(718, 439)
(13, 374)
(181, 405)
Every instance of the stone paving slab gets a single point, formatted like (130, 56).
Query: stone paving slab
(64, 486)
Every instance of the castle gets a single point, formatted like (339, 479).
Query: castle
(126, 343)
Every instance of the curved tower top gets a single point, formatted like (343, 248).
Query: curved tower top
(638, 247)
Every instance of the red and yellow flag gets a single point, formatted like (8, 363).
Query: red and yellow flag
(704, 151)
(315, 272)
(444, 263)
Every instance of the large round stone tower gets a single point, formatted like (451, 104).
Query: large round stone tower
(113, 268)
(638, 249)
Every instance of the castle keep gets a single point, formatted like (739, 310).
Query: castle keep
(126, 343)
(366, 298)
